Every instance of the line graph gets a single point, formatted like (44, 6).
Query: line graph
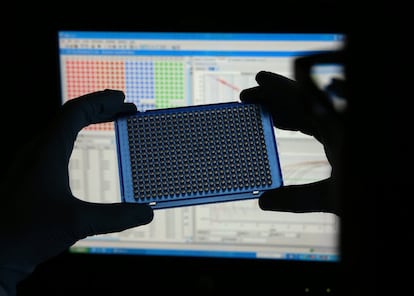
(217, 87)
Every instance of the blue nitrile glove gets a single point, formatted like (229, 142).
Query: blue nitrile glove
(39, 216)
(293, 108)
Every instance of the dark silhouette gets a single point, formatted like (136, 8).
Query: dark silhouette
(371, 182)
(39, 216)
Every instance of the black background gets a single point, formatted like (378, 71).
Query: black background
(31, 94)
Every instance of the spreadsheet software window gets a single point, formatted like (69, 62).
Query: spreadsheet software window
(159, 70)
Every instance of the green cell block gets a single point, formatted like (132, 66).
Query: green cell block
(169, 84)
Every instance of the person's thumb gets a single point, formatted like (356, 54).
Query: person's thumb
(313, 197)
(96, 218)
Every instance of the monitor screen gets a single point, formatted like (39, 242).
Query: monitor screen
(173, 69)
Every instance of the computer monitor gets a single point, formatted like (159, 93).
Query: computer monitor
(172, 69)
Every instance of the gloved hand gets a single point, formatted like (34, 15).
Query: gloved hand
(295, 108)
(39, 216)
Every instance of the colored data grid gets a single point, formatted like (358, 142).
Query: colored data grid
(169, 84)
(140, 84)
(148, 84)
(155, 84)
(85, 76)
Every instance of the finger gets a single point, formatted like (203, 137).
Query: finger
(272, 87)
(313, 197)
(276, 81)
(75, 114)
(255, 95)
(53, 146)
(95, 218)
(337, 87)
(96, 107)
(283, 98)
